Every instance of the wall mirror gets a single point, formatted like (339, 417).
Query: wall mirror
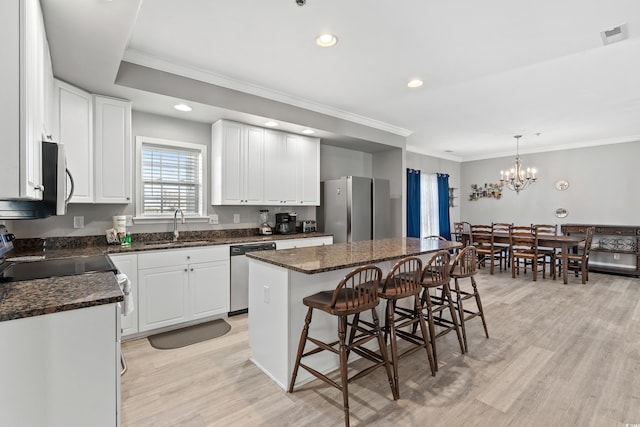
(562, 212)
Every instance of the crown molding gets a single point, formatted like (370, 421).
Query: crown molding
(560, 147)
(145, 60)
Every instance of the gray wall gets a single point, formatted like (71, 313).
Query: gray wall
(602, 187)
(336, 162)
(388, 165)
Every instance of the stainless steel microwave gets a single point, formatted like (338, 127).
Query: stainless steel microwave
(57, 188)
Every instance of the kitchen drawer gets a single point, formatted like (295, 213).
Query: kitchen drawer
(169, 257)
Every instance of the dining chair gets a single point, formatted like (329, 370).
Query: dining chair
(486, 250)
(579, 262)
(462, 233)
(550, 252)
(522, 241)
(502, 228)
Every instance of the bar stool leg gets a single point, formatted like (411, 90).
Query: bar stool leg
(479, 303)
(383, 351)
(461, 313)
(454, 318)
(390, 328)
(432, 328)
(425, 334)
(342, 335)
(303, 341)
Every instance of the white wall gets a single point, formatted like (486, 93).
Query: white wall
(602, 187)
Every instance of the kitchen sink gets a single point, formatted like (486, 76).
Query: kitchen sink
(178, 244)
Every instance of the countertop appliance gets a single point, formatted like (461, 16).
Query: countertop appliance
(264, 228)
(286, 223)
(308, 226)
(355, 209)
(55, 195)
(239, 302)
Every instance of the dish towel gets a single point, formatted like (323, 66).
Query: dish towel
(125, 285)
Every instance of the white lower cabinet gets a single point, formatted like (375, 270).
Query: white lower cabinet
(176, 286)
(128, 264)
(303, 243)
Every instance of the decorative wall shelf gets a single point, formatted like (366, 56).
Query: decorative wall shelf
(489, 190)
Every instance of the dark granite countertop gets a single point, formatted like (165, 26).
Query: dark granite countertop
(318, 259)
(44, 296)
(143, 242)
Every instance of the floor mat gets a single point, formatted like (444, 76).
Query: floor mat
(189, 335)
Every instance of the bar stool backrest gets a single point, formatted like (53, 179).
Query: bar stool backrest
(436, 272)
(462, 232)
(465, 264)
(482, 235)
(522, 237)
(358, 289)
(404, 278)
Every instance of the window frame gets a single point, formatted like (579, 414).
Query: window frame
(172, 144)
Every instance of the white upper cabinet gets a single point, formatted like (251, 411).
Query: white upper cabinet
(113, 150)
(24, 53)
(74, 128)
(96, 132)
(237, 164)
(308, 171)
(263, 167)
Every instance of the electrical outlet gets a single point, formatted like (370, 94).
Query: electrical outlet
(236, 218)
(78, 222)
(267, 295)
(129, 220)
(213, 219)
(616, 256)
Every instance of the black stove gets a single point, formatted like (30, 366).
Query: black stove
(19, 271)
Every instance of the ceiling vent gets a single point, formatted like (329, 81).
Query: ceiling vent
(614, 35)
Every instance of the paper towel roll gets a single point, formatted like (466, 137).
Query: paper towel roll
(120, 223)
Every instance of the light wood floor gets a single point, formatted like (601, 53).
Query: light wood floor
(559, 355)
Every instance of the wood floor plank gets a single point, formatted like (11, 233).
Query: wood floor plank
(559, 355)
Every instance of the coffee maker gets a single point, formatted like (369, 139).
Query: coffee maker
(286, 223)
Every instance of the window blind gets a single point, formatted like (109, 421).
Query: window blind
(171, 178)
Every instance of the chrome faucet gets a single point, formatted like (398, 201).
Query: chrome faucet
(175, 223)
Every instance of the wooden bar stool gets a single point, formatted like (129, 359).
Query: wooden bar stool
(435, 277)
(403, 281)
(356, 293)
(465, 266)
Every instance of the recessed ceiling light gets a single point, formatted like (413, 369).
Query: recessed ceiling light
(415, 83)
(308, 131)
(326, 40)
(271, 124)
(182, 107)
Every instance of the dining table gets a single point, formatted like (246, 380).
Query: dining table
(550, 241)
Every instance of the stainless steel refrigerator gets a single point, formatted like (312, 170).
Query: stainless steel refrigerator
(354, 209)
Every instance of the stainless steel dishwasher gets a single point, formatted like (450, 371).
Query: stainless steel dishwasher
(240, 275)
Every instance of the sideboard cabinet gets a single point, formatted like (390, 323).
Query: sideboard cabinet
(615, 239)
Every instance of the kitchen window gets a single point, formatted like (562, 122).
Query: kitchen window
(171, 175)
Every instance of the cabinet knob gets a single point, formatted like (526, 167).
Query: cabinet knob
(188, 257)
(128, 198)
(192, 269)
(185, 270)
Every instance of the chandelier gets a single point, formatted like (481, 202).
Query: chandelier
(517, 178)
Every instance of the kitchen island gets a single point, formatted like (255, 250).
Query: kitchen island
(279, 280)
